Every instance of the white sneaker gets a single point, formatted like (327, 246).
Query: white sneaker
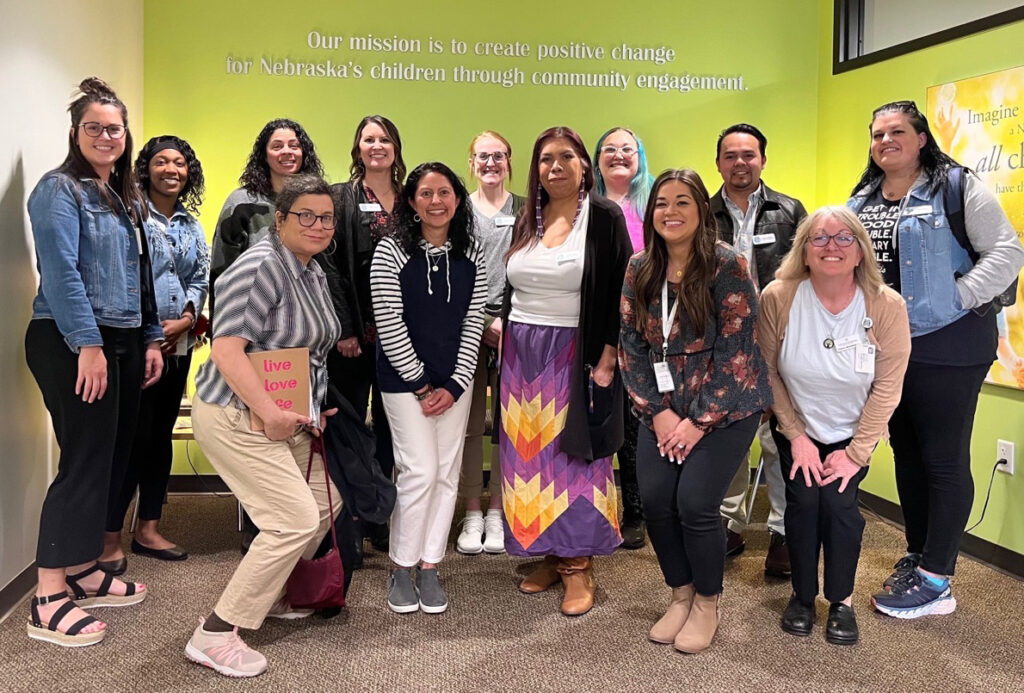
(471, 539)
(494, 531)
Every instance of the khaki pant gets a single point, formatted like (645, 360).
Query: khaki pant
(734, 504)
(269, 479)
(471, 480)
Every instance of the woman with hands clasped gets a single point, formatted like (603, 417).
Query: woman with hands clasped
(837, 341)
(696, 376)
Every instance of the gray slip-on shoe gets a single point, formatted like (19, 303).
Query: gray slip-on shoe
(433, 598)
(402, 596)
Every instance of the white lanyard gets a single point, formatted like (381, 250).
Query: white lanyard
(667, 318)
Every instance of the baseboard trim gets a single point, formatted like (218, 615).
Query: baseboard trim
(991, 554)
(16, 590)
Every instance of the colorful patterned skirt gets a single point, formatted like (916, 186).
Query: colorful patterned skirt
(555, 504)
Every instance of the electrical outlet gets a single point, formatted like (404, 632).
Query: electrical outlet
(1004, 451)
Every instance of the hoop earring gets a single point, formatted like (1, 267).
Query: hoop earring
(416, 218)
(330, 250)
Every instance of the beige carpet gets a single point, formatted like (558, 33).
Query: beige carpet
(494, 638)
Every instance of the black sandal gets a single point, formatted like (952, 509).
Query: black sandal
(72, 637)
(102, 596)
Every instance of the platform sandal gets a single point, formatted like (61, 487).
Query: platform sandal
(102, 596)
(73, 636)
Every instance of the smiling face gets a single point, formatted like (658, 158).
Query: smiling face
(490, 172)
(376, 149)
(302, 241)
(832, 260)
(676, 213)
(435, 202)
(560, 168)
(101, 152)
(168, 174)
(740, 162)
(284, 152)
(895, 145)
(617, 166)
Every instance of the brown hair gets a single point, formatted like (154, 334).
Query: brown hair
(356, 169)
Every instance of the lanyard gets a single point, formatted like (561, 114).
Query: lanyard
(667, 318)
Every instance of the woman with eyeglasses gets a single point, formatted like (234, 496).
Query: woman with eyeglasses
(942, 241)
(273, 297)
(494, 213)
(623, 178)
(836, 340)
(93, 343)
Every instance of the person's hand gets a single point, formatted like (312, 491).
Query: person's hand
(91, 382)
(154, 365)
(603, 375)
(681, 440)
(283, 424)
(439, 401)
(173, 331)
(945, 128)
(492, 334)
(1018, 373)
(665, 423)
(349, 348)
(316, 431)
(806, 460)
(838, 465)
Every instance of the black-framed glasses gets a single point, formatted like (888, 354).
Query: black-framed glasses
(611, 150)
(498, 157)
(843, 239)
(307, 219)
(93, 129)
(901, 106)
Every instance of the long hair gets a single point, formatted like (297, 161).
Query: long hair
(191, 195)
(695, 292)
(256, 176)
(357, 170)
(934, 162)
(524, 233)
(407, 229)
(493, 135)
(122, 179)
(866, 274)
(639, 185)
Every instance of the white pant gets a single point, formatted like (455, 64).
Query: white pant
(428, 454)
(734, 503)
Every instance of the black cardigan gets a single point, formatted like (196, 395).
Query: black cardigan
(597, 434)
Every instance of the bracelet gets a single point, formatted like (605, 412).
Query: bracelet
(426, 393)
(703, 428)
(193, 319)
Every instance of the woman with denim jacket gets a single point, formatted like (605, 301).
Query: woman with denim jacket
(92, 345)
(172, 178)
(900, 201)
(699, 383)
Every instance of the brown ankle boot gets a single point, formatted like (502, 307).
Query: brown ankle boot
(542, 577)
(700, 626)
(578, 578)
(669, 625)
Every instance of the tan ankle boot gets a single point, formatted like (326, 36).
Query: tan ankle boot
(699, 629)
(669, 625)
(578, 578)
(542, 577)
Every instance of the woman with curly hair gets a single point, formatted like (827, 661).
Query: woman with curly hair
(171, 176)
(429, 287)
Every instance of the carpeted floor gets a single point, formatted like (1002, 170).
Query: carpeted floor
(494, 638)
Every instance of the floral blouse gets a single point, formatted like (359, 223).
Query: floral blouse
(720, 376)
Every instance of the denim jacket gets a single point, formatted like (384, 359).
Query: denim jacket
(930, 258)
(181, 263)
(89, 262)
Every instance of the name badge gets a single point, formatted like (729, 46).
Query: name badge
(138, 238)
(369, 207)
(917, 211)
(504, 220)
(847, 343)
(568, 256)
(864, 359)
(764, 238)
(663, 376)
(181, 348)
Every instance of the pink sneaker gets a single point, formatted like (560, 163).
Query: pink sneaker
(225, 653)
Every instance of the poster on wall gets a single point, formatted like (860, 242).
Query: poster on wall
(980, 122)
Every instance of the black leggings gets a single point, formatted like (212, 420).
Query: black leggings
(931, 441)
(95, 439)
(681, 502)
(632, 508)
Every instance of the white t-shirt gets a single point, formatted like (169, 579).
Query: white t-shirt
(546, 281)
(826, 390)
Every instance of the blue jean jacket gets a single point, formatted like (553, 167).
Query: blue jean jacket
(91, 270)
(930, 258)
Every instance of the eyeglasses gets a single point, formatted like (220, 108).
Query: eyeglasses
(843, 240)
(498, 157)
(611, 150)
(93, 129)
(900, 106)
(307, 219)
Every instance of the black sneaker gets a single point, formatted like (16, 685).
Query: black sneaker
(904, 567)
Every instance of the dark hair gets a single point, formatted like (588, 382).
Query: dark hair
(122, 179)
(407, 228)
(298, 185)
(191, 195)
(934, 162)
(745, 129)
(356, 169)
(695, 293)
(525, 231)
(256, 176)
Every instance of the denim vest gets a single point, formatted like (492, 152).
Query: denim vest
(930, 257)
(88, 258)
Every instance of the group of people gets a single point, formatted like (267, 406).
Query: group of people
(607, 312)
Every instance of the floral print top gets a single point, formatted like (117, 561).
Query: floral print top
(720, 376)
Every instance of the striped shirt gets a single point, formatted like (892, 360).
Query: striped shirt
(271, 300)
(429, 308)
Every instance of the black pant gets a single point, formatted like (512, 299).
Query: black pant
(632, 507)
(821, 517)
(356, 378)
(95, 439)
(149, 466)
(682, 501)
(931, 441)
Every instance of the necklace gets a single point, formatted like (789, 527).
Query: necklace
(434, 266)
